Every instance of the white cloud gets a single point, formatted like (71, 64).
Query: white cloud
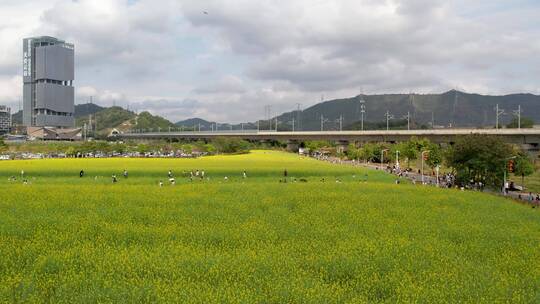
(174, 60)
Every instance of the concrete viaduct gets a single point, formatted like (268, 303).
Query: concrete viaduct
(528, 139)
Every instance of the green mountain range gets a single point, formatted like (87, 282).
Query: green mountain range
(453, 108)
(450, 109)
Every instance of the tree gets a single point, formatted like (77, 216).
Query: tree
(209, 148)
(230, 145)
(378, 152)
(368, 152)
(435, 157)
(3, 145)
(143, 148)
(525, 123)
(479, 158)
(315, 145)
(71, 151)
(408, 150)
(352, 151)
(523, 166)
(119, 148)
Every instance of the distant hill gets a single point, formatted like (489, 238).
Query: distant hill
(106, 119)
(146, 121)
(124, 120)
(452, 108)
(194, 122)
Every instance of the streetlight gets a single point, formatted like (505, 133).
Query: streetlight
(422, 154)
(382, 157)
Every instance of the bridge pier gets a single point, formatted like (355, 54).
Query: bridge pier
(293, 145)
(342, 146)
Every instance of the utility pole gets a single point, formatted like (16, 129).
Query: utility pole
(276, 123)
(498, 112)
(293, 124)
(432, 120)
(408, 116)
(298, 114)
(340, 121)
(362, 112)
(388, 117)
(90, 122)
(270, 117)
(323, 120)
(518, 114)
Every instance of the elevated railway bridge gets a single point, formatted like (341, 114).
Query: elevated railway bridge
(528, 139)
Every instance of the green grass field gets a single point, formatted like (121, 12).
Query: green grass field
(64, 239)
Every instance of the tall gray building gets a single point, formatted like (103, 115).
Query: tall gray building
(5, 119)
(48, 73)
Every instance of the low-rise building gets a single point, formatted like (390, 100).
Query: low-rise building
(5, 119)
(49, 133)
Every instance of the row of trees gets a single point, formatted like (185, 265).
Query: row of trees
(474, 158)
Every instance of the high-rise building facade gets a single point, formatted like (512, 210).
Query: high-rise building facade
(48, 73)
(5, 119)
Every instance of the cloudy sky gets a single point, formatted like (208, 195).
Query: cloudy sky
(225, 60)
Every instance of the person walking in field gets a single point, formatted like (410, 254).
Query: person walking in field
(81, 174)
(160, 184)
(170, 174)
(125, 173)
(114, 179)
(244, 174)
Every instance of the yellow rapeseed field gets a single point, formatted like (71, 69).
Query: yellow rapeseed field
(337, 235)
